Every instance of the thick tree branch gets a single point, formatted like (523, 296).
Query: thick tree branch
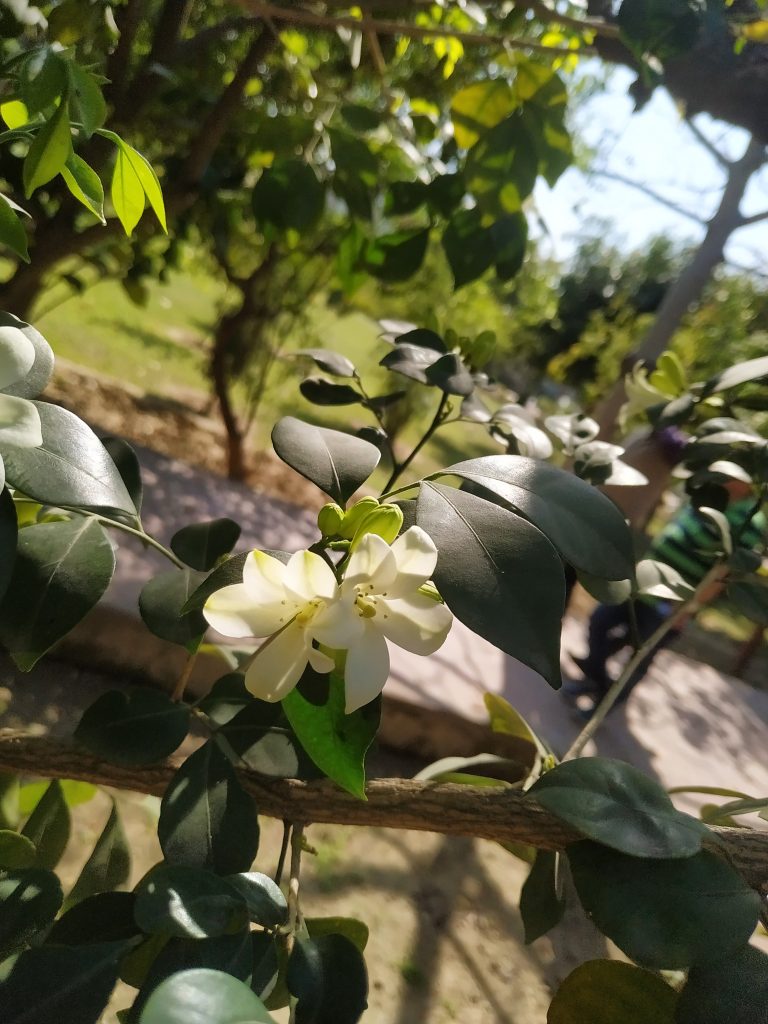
(708, 144)
(301, 16)
(500, 814)
(753, 218)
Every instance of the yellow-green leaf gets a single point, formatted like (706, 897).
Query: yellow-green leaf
(14, 113)
(127, 193)
(756, 31)
(134, 172)
(84, 184)
(479, 107)
(49, 150)
(12, 232)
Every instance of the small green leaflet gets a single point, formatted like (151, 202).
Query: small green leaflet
(133, 181)
(84, 184)
(49, 150)
(12, 232)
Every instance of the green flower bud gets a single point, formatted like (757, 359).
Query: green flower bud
(329, 519)
(386, 521)
(355, 515)
(429, 590)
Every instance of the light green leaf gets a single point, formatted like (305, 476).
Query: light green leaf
(12, 232)
(479, 107)
(134, 172)
(84, 184)
(14, 113)
(49, 150)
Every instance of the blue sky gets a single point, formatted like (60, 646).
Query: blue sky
(653, 146)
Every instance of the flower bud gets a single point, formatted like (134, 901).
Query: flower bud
(355, 515)
(329, 519)
(386, 521)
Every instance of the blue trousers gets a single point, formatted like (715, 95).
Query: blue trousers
(610, 631)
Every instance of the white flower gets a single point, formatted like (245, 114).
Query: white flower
(19, 419)
(301, 602)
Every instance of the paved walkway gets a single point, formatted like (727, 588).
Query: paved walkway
(686, 724)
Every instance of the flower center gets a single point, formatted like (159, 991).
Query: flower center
(366, 606)
(308, 611)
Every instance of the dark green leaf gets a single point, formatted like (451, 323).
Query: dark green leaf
(42, 368)
(337, 463)
(665, 28)
(207, 819)
(202, 996)
(608, 991)
(264, 964)
(323, 392)
(336, 742)
(87, 101)
(605, 591)
(288, 195)
(665, 914)
(584, 525)
(71, 467)
(398, 256)
(84, 184)
(226, 698)
(109, 864)
(49, 150)
(29, 901)
(501, 169)
(60, 983)
(203, 544)
(188, 903)
(42, 79)
(133, 727)
(730, 991)
(617, 805)
(48, 827)
(259, 738)
(127, 463)
(266, 903)
(467, 246)
(422, 337)
(327, 976)
(411, 361)
(360, 118)
(541, 907)
(16, 850)
(8, 539)
(405, 196)
(13, 234)
(451, 375)
(331, 362)
(445, 193)
(61, 571)
(161, 602)
(484, 553)
(509, 235)
(105, 917)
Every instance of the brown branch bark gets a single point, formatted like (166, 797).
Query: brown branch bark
(499, 814)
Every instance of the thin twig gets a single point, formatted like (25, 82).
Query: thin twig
(399, 467)
(114, 524)
(283, 852)
(181, 682)
(651, 193)
(708, 144)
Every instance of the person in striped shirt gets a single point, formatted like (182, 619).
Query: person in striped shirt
(689, 543)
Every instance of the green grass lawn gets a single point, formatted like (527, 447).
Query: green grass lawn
(162, 348)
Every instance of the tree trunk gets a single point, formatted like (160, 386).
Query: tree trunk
(220, 376)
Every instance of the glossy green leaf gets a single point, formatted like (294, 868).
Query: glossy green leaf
(49, 150)
(127, 463)
(398, 256)
(337, 463)
(450, 375)
(336, 742)
(412, 361)
(730, 991)
(479, 107)
(665, 914)
(330, 362)
(266, 903)
(60, 983)
(29, 901)
(103, 917)
(13, 234)
(109, 865)
(584, 525)
(84, 184)
(207, 819)
(258, 737)
(9, 531)
(226, 698)
(741, 373)
(86, 100)
(42, 368)
(133, 174)
(485, 552)
(203, 544)
(203, 996)
(327, 976)
(161, 602)
(72, 467)
(61, 571)
(42, 79)
(608, 991)
(48, 827)
(188, 903)
(133, 727)
(323, 392)
(541, 906)
(617, 805)
(16, 850)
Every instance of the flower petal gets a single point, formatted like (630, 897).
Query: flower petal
(278, 664)
(416, 623)
(264, 578)
(17, 355)
(415, 556)
(232, 612)
(367, 669)
(307, 575)
(339, 624)
(372, 562)
(19, 422)
(320, 662)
